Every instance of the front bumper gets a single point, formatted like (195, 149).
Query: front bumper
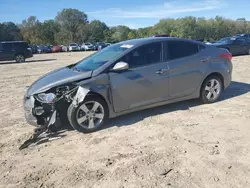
(75, 49)
(28, 109)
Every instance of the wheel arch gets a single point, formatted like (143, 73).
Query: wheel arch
(93, 93)
(214, 74)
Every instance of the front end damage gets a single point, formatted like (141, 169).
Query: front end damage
(45, 110)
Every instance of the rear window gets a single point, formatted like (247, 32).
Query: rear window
(179, 49)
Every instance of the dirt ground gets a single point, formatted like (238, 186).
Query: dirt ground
(178, 145)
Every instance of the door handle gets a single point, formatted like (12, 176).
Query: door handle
(161, 71)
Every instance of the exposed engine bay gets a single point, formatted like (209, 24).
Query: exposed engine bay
(47, 108)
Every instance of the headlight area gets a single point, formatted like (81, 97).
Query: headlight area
(43, 110)
(50, 102)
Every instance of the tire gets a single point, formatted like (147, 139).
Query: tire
(211, 89)
(248, 52)
(88, 117)
(20, 58)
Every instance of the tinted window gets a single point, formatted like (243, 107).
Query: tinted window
(144, 55)
(20, 45)
(7, 47)
(239, 41)
(227, 40)
(179, 49)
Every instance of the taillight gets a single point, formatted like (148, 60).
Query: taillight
(226, 55)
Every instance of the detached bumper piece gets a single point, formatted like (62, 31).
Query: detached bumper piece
(42, 116)
(38, 131)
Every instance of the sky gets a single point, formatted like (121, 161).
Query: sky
(132, 13)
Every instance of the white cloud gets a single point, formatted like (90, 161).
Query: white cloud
(161, 11)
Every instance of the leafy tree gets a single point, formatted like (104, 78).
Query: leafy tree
(71, 25)
(132, 34)
(97, 31)
(71, 22)
(30, 29)
(120, 32)
(9, 32)
(48, 30)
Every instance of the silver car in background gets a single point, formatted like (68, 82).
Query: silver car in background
(74, 47)
(87, 46)
(127, 77)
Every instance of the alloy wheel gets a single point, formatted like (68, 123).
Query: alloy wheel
(19, 58)
(90, 114)
(212, 89)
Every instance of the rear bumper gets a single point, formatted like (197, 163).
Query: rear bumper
(227, 79)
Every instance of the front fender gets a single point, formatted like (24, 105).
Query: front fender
(100, 85)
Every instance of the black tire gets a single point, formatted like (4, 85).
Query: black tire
(248, 52)
(204, 94)
(20, 58)
(72, 114)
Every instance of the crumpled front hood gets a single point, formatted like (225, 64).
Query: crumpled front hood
(56, 78)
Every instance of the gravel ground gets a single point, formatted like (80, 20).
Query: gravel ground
(178, 145)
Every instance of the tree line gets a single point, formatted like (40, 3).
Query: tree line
(72, 25)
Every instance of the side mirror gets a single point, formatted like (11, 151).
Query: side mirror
(120, 66)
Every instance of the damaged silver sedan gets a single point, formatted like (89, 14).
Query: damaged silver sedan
(126, 77)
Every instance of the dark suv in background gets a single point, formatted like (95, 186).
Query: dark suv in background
(15, 50)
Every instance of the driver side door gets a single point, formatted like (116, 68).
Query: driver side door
(145, 82)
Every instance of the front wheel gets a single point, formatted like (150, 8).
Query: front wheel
(20, 58)
(89, 116)
(211, 89)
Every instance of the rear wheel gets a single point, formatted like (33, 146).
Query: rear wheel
(20, 58)
(89, 116)
(211, 89)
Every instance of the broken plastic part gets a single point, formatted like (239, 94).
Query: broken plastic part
(52, 119)
(80, 96)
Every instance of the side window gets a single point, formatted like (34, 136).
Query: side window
(144, 55)
(179, 49)
(239, 41)
(7, 47)
(20, 45)
(0, 47)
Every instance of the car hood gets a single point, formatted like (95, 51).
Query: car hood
(56, 78)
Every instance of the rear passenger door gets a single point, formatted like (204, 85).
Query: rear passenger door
(8, 52)
(187, 65)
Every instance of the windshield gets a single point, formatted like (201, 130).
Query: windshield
(225, 41)
(73, 44)
(100, 58)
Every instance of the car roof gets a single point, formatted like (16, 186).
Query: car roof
(142, 41)
(13, 42)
